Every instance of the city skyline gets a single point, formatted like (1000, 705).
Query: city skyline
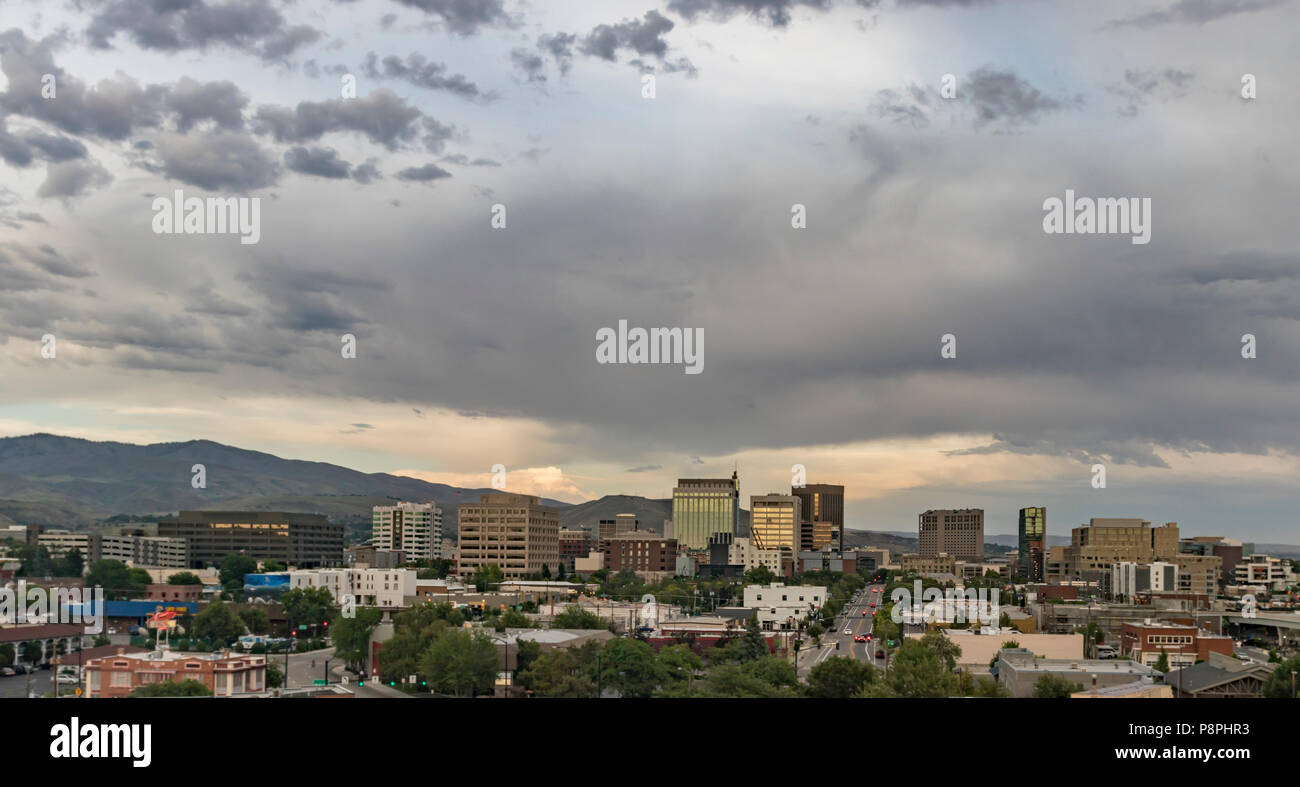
(824, 345)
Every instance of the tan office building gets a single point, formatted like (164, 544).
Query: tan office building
(957, 532)
(516, 532)
(1100, 544)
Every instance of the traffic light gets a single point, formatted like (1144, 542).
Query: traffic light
(326, 624)
(361, 683)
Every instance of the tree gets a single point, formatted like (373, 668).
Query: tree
(307, 606)
(183, 688)
(575, 617)
(487, 575)
(1049, 686)
(352, 635)
(526, 652)
(72, 564)
(987, 687)
(915, 671)
(1279, 682)
(1162, 663)
(7, 654)
(184, 578)
(943, 647)
(462, 663)
(839, 678)
(255, 619)
(269, 566)
(232, 569)
(274, 675)
(769, 677)
(629, 666)
(561, 672)
(680, 666)
(760, 575)
(753, 645)
(31, 650)
(118, 581)
(219, 622)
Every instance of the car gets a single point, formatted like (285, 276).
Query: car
(8, 672)
(864, 612)
(873, 605)
(880, 654)
(847, 632)
(66, 677)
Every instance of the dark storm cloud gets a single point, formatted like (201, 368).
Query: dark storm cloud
(419, 71)
(307, 300)
(776, 12)
(206, 300)
(1195, 12)
(111, 110)
(424, 174)
(253, 26)
(48, 259)
(217, 161)
(643, 36)
(321, 162)
(193, 102)
(464, 17)
(383, 117)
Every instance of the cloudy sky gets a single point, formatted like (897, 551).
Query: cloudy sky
(477, 345)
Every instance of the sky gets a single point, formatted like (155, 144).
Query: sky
(822, 345)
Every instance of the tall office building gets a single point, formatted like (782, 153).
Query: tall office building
(822, 523)
(774, 522)
(956, 532)
(516, 532)
(1033, 543)
(413, 528)
(300, 540)
(703, 507)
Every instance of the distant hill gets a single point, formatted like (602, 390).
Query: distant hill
(69, 482)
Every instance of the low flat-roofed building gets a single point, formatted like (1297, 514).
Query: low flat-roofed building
(224, 674)
(941, 563)
(979, 648)
(1019, 669)
(1144, 689)
(1183, 645)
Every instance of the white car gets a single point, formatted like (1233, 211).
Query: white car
(848, 632)
(66, 677)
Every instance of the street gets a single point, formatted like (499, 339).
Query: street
(853, 623)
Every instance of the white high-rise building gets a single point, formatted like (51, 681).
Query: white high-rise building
(413, 528)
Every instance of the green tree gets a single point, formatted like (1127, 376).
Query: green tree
(680, 665)
(31, 650)
(759, 575)
(171, 688)
(118, 581)
(218, 622)
(232, 569)
(1049, 686)
(629, 666)
(462, 663)
(943, 647)
(308, 606)
(575, 617)
(72, 563)
(273, 566)
(839, 678)
(352, 635)
(184, 578)
(987, 687)
(7, 654)
(769, 677)
(1162, 663)
(1279, 683)
(255, 619)
(562, 672)
(915, 671)
(274, 675)
(487, 575)
(526, 652)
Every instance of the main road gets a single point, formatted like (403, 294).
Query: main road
(852, 635)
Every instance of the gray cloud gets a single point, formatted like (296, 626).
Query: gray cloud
(253, 26)
(776, 12)
(420, 71)
(464, 17)
(424, 174)
(383, 117)
(1195, 12)
(72, 178)
(220, 102)
(217, 161)
(643, 36)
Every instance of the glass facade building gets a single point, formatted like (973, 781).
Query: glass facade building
(1033, 543)
(703, 507)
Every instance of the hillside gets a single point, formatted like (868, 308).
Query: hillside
(69, 482)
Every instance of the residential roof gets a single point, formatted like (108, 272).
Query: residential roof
(1205, 675)
(24, 633)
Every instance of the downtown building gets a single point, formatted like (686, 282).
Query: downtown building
(414, 529)
(301, 540)
(958, 533)
(774, 523)
(1032, 531)
(516, 532)
(1097, 546)
(822, 517)
(704, 507)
